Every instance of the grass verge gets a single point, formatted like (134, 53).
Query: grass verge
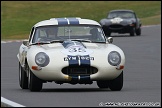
(17, 17)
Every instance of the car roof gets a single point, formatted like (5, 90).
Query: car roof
(122, 10)
(66, 21)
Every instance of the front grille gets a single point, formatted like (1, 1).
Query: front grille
(81, 70)
(116, 26)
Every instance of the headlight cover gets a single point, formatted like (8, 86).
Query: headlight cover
(130, 22)
(114, 58)
(42, 59)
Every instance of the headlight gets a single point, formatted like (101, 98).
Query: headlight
(114, 58)
(129, 22)
(42, 59)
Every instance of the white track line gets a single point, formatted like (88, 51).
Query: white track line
(3, 42)
(10, 41)
(151, 25)
(8, 103)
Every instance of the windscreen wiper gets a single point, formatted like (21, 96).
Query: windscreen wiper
(53, 41)
(40, 43)
(98, 42)
(81, 40)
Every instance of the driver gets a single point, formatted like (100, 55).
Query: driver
(94, 34)
(52, 33)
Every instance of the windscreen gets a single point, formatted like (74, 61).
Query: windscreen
(70, 32)
(121, 14)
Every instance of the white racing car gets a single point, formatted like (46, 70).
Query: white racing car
(70, 50)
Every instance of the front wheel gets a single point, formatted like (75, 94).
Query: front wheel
(108, 34)
(102, 84)
(23, 79)
(138, 32)
(117, 83)
(106, 31)
(132, 32)
(35, 84)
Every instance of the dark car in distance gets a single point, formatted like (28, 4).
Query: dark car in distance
(121, 21)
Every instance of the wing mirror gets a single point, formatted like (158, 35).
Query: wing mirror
(110, 39)
(26, 42)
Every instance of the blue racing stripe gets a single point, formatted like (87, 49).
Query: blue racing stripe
(62, 21)
(73, 60)
(76, 60)
(85, 78)
(67, 43)
(73, 20)
(85, 60)
(74, 77)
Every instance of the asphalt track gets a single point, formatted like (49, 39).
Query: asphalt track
(142, 77)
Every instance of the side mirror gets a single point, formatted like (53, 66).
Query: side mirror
(26, 42)
(110, 39)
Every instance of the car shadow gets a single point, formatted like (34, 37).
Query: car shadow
(121, 35)
(75, 90)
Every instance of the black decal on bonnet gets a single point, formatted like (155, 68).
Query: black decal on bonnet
(78, 60)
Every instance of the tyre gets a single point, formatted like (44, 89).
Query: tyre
(102, 84)
(35, 84)
(132, 32)
(138, 32)
(23, 79)
(108, 34)
(117, 83)
(106, 31)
